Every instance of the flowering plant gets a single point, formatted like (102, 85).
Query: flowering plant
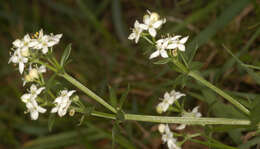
(35, 57)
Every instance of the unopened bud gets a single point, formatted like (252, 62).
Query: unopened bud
(159, 109)
(155, 16)
(161, 128)
(34, 74)
(72, 112)
(174, 52)
(25, 52)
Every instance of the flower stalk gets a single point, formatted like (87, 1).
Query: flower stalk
(197, 77)
(88, 92)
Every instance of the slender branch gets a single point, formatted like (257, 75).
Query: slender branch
(176, 120)
(88, 92)
(219, 91)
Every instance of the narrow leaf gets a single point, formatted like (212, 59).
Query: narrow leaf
(65, 55)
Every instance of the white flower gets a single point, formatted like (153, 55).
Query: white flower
(17, 58)
(175, 42)
(46, 41)
(24, 45)
(176, 95)
(169, 99)
(62, 102)
(153, 22)
(30, 100)
(194, 113)
(137, 31)
(161, 46)
(168, 138)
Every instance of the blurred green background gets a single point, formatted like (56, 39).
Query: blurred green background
(102, 56)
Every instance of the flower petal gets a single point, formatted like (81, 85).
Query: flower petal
(158, 24)
(164, 54)
(21, 67)
(152, 32)
(184, 39)
(172, 46)
(34, 114)
(25, 97)
(154, 54)
(181, 47)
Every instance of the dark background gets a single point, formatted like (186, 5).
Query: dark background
(102, 56)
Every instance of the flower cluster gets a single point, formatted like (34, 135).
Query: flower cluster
(25, 49)
(151, 22)
(167, 136)
(164, 46)
(27, 53)
(169, 99)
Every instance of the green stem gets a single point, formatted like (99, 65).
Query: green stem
(176, 120)
(88, 92)
(219, 91)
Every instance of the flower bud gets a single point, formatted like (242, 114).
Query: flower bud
(159, 109)
(27, 78)
(34, 73)
(72, 112)
(154, 16)
(174, 52)
(161, 128)
(25, 52)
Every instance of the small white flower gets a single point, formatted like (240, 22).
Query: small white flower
(162, 107)
(153, 22)
(168, 138)
(161, 46)
(175, 42)
(46, 41)
(137, 31)
(24, 44)
(62, 102)
(176, 95)
(169, 99)
(30, 100)
(17, 58)
(194, 113)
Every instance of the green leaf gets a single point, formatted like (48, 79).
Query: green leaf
(162, 61)
(51, 121)
(123, 97)
(112, 96)
(254, 75)
(115, 132)
(255, 111)
(118, 21)
(226, 16)
(65, 55)
(196, 65)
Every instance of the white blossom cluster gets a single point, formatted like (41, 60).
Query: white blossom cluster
(151, 22)
(24, 53)
(167, 136)
(167, 46)
(24, 49)
(164, 46)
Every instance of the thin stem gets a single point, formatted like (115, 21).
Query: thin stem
(148, 40)
(176, 120)
(219, 91)
(88, 92)
(186, 120)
